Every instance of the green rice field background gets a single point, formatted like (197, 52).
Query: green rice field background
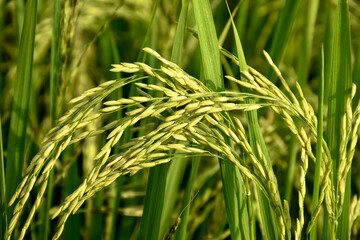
(182, 119)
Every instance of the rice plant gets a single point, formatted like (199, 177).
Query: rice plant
(179, 120)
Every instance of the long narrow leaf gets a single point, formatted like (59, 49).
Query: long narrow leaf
(214, 80)
(155, 197)
(154, 200)
(339, 89)
(3, 205)
(302, 70)
(54, 80)
(345, 41)
(315, 198)
(267, 215)
(282, 32)
(181, 233)
(19, 113)
(178, 166)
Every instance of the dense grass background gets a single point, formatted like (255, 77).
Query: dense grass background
(53, 51)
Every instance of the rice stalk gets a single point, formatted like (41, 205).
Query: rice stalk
(315, 196)
(54, 81)
(112, 218)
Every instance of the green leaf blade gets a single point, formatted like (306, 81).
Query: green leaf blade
(231, 178)
(19, 113)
